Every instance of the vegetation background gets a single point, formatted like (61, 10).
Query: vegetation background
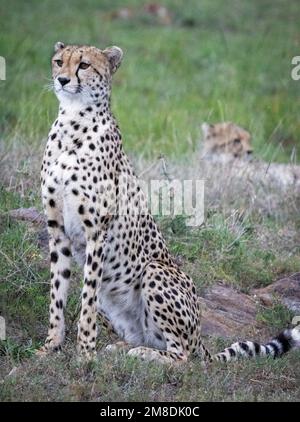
(214, 60)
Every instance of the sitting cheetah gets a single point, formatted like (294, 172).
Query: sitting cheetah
(227, 140)
(97, 212)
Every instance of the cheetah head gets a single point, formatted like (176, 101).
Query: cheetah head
(82, 73)
(226, 138)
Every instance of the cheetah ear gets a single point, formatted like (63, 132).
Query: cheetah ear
(114, 55)
(58, 46)
(206, 128)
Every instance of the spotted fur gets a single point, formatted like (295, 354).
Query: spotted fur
(130, 277)
(226, 139)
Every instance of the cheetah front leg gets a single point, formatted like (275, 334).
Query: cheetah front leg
(60, 257)
(93, 269)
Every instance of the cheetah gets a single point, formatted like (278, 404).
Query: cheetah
(97, 214)
(227, 140)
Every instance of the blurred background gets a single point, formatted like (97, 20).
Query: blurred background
(185, 62)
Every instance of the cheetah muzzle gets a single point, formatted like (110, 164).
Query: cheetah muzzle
(90, 195)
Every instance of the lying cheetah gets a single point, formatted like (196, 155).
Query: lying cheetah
(226, 139)
(97, 212)
(224, 142)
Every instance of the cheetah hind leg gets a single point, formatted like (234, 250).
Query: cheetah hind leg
(160, 356)
(118, 346)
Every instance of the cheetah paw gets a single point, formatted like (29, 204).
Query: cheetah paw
(118, 346)
(50, 346)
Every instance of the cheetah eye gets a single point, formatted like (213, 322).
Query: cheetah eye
(236, 141)
(84, 65)
(59, 63)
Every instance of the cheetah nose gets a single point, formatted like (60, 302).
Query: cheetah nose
(63, 81)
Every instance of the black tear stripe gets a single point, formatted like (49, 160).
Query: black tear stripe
(76, 74)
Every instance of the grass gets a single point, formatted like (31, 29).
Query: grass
(215, 252)
(217, 61)
(222, 66)
(63, 378)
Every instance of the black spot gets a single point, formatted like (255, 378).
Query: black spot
(52, 203)
(177, 304)
(81, 209)
(88, 223)
(52, 223)
(56, 284)
(66, 251)
(53, 136)
(66, 273)
(159, 299)
(54, 257)
(92, 146)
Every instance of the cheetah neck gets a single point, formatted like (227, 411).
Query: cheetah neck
(94, 112)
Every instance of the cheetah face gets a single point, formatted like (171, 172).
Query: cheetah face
(227, 138)
(83, 74)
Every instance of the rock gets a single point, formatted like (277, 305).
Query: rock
(227, 312)
(286, 290)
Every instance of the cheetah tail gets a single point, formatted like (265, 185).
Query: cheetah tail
(287, 340)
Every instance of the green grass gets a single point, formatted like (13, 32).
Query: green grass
(218, 251)
(233, 63)
(62, 378)
(277, 316)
